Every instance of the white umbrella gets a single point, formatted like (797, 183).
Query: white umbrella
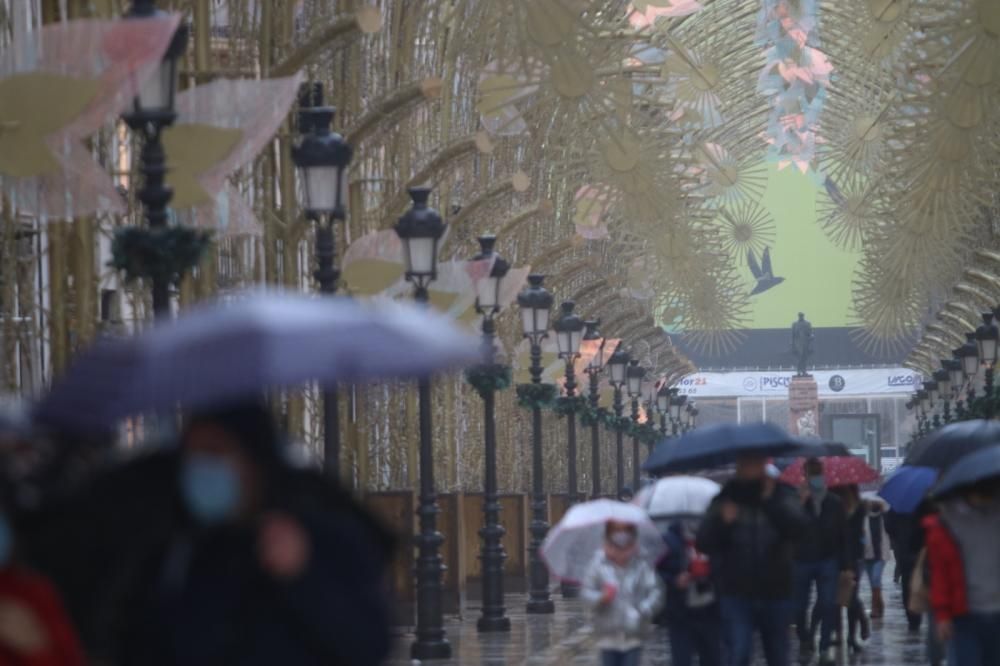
(678, 496)
(216, 354)
(572, 544)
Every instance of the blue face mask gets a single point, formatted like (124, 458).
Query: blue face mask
(210, 487)
(6, 541)
(817, 484)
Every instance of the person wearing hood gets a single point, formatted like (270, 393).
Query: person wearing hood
(963, 552)
(219, 552)
(748, 533)
(624, 593)
(821, 555)
(876, 548)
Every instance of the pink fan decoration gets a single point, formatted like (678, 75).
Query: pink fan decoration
(107, 61)
(255, 109)
(646, 17)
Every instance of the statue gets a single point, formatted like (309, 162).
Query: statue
(802, 344)
(807, 424)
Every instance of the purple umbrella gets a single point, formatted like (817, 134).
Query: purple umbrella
(218, 354)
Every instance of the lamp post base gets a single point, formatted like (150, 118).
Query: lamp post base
(541, 607)
(493, 624)
(431, 650)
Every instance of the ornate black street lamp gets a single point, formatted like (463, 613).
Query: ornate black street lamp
(492, 555)
(692, 417)
(618, 363)
(322, 158)
(968, 356)
(986, 340)
(569, 335)
(677, 403)
(593, 371)
(633, 378)
(663, 407)
(535, 302)
(158, 253)
(943, 379)
(421, 229)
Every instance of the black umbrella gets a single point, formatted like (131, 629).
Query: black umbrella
(719, 444)
(946, 445)
(983, 465)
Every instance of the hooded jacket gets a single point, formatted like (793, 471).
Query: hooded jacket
(620, 625)
(752, 556)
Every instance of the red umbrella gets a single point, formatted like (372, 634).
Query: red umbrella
(837, 471)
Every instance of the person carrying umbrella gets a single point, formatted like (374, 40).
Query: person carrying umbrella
(677, 504)
(624, 593)
(820, 556)
(963, 552)
(220, 552)
(749, 532)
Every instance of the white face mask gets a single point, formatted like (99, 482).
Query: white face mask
(621, 539)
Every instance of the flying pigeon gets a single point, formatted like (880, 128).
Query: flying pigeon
(764, 276)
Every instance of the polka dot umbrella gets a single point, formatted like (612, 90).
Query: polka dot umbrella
(837, 471)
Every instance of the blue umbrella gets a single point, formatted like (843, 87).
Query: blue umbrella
(907, 487)
(946, 445)
(983, 465)
(719, 444)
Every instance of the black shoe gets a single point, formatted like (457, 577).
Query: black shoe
(806, 649)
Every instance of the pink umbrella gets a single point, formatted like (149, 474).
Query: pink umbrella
(837, 471)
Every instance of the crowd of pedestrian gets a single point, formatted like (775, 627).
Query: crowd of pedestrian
(768, 561)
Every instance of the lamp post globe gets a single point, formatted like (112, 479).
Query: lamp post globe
(322, 157)
(617, 365)
(492, 554)
(569, 332)
(488, 288)
(420, 229)
(594, 367)
(155, 102)
(535, 303)
(955, 375)
(634, 376)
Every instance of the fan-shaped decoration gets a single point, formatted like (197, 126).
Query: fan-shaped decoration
(847, 208)
(221, 126)
(59, 85)
(726, 178)
(746, 227)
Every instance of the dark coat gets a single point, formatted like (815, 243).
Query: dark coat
(752, 557)
(825, 534)
(147, 587)
(669, 568)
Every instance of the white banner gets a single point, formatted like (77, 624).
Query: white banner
(831, 383)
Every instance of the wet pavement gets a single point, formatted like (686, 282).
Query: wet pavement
(564, 638)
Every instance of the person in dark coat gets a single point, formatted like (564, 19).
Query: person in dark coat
(220, 553)
(749, 533)
(850, 496)
(907, 538)
(692, 610)
(820, 557)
